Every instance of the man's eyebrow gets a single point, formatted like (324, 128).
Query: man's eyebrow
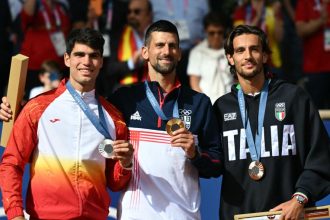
(243, 47)
(79, 53)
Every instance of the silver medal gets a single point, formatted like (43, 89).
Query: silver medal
(106, 149)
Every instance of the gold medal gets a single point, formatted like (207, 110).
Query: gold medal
(256, 170)
(105, 148)
(173, 125)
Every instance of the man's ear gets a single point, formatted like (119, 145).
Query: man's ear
(230, 59)
(180, 54)
(67, 59)
(145, 53)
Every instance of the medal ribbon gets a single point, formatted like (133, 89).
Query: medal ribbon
(248, 17)
(317, 5)
(155, 104)
(46, 18)
(109, 16)
(254, 147)
(99, 123)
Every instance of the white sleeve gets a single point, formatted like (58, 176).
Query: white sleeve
(194, 61)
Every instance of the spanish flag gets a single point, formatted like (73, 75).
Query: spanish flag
(126, 49)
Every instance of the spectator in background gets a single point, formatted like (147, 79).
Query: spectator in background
(208, 68)
(291, 45)
(265, 14)
(126, 64)
(188, 16)
(313, 26)
(112, 11)
(45, 24)
(225, 8)
(49, 76)
(107, 16)
(6, 44)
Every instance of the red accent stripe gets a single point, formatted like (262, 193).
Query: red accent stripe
(208, 156)
(148, 133)
(135, 196)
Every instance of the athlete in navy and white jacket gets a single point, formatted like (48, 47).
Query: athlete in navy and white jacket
(166, 170)
(164, 182)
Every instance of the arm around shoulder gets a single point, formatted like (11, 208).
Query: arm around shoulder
(209, 160)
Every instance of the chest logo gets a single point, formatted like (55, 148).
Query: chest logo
(280, 111)
(54, 120)
(185, 116)
(136, 116)
(230, 116)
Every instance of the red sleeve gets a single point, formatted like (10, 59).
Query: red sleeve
(65, 20)
(25, 20)
(239, 14)
(119, 177)
(303, 10)
(21, 144)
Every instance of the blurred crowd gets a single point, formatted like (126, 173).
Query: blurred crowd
(298, 33)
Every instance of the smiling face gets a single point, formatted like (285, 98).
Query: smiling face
(248, 57)
(84, 63)
(163, 53)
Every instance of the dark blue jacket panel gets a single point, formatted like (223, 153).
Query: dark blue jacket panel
(195, 109)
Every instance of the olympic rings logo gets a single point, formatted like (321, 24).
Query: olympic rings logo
(280, 105)
(185, 112)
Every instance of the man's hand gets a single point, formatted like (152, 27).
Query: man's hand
(291, 210)
(184, 139)
(137, 58)
(5, 111)
(123, 151)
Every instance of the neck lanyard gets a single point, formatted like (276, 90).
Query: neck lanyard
(109, 16)
(248, 16)
(155, 105)
(99, 123)
(46, 17)
(318, 4)
(254, 146)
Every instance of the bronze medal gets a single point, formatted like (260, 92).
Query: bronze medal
(173, 125)
(105, 148)
(256, 170)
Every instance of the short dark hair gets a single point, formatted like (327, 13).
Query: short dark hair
(161, 26)
(246, 29)
(213, 18)
(87, 36)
